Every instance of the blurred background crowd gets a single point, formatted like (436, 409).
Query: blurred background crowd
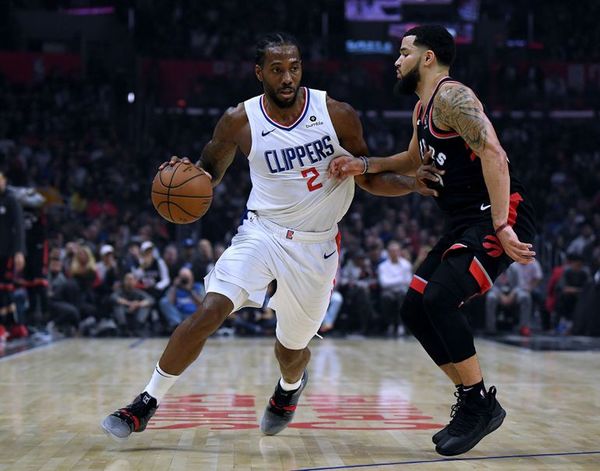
(94, 97)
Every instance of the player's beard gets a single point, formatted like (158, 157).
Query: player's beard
(407, 85)
(272, 94)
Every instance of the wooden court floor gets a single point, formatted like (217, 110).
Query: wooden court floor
(370, 404)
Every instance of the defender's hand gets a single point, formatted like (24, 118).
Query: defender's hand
(428, 171)
(423, 189)
(519, 251)
(345, 166)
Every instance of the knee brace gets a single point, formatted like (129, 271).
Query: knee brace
(442, 299)
(416, 320)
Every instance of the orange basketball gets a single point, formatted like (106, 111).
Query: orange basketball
(181, 193)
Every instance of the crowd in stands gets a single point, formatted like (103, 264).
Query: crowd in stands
(116, 268)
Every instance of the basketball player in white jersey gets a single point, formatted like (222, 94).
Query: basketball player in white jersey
(289, 135)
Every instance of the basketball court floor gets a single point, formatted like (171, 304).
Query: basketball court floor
(370, 404)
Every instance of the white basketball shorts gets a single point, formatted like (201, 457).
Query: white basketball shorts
(303, 263)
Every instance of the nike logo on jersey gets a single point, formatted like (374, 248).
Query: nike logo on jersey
(485, 206)
(264, 133)
(326, 255)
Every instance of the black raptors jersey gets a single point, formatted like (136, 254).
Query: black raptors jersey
(463, 195)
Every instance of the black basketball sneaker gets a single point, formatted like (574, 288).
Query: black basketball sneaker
(132, 418)
(460, 398)
(474, 419)
(282, 406)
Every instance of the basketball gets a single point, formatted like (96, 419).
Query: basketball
(181, 193)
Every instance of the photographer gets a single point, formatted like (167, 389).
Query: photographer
(182, 298)
(131, 306)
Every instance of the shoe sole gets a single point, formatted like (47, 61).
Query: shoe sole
(112, 435)
(494, 424)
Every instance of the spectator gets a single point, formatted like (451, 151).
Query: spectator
(131, 307)
(568, 289)
(152, 272)
(63, 298)
(12, 258)
(182, 298)
(356, 279)
(394, 276)
(109, 274)
(507, 294)
(582, 244)
(171, 258)
(531, 276)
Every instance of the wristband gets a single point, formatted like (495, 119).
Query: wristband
(501, 227)
(365, 163)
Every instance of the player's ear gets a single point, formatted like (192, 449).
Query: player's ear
(258, 72)
(428, 57)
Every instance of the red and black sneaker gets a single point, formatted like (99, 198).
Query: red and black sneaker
(132, 418)
(282, 406)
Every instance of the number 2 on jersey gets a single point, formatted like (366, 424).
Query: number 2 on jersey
(311, 181)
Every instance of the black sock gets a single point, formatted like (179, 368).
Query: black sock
(476, 391)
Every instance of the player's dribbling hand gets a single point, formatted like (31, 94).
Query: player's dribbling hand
(174, 160)
(345, 166)
(519, 251)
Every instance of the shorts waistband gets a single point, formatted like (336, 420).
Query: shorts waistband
(292, 234)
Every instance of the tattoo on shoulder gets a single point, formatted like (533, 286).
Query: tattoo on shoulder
(458, 108)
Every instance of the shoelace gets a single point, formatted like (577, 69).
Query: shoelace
(460, 399)
(465, 417)
(456, 421)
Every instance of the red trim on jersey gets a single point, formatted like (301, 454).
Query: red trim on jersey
(473, 155)
(456, 246)
(441, 134)
(481, 276)
(515, 200)
(446, 135)
(418, 284)
(419, 109)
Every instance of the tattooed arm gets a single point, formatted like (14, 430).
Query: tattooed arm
(456, 107)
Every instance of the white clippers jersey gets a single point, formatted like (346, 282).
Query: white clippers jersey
(288, 167)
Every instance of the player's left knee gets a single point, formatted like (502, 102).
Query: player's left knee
(439, 299)
(288, 357)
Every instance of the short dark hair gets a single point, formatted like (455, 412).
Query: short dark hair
(273, 40)
(438, 39)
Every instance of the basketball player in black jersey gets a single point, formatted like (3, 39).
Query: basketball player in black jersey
(489, 223)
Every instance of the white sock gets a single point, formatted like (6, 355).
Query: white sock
(289, 386)
(160, 383)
